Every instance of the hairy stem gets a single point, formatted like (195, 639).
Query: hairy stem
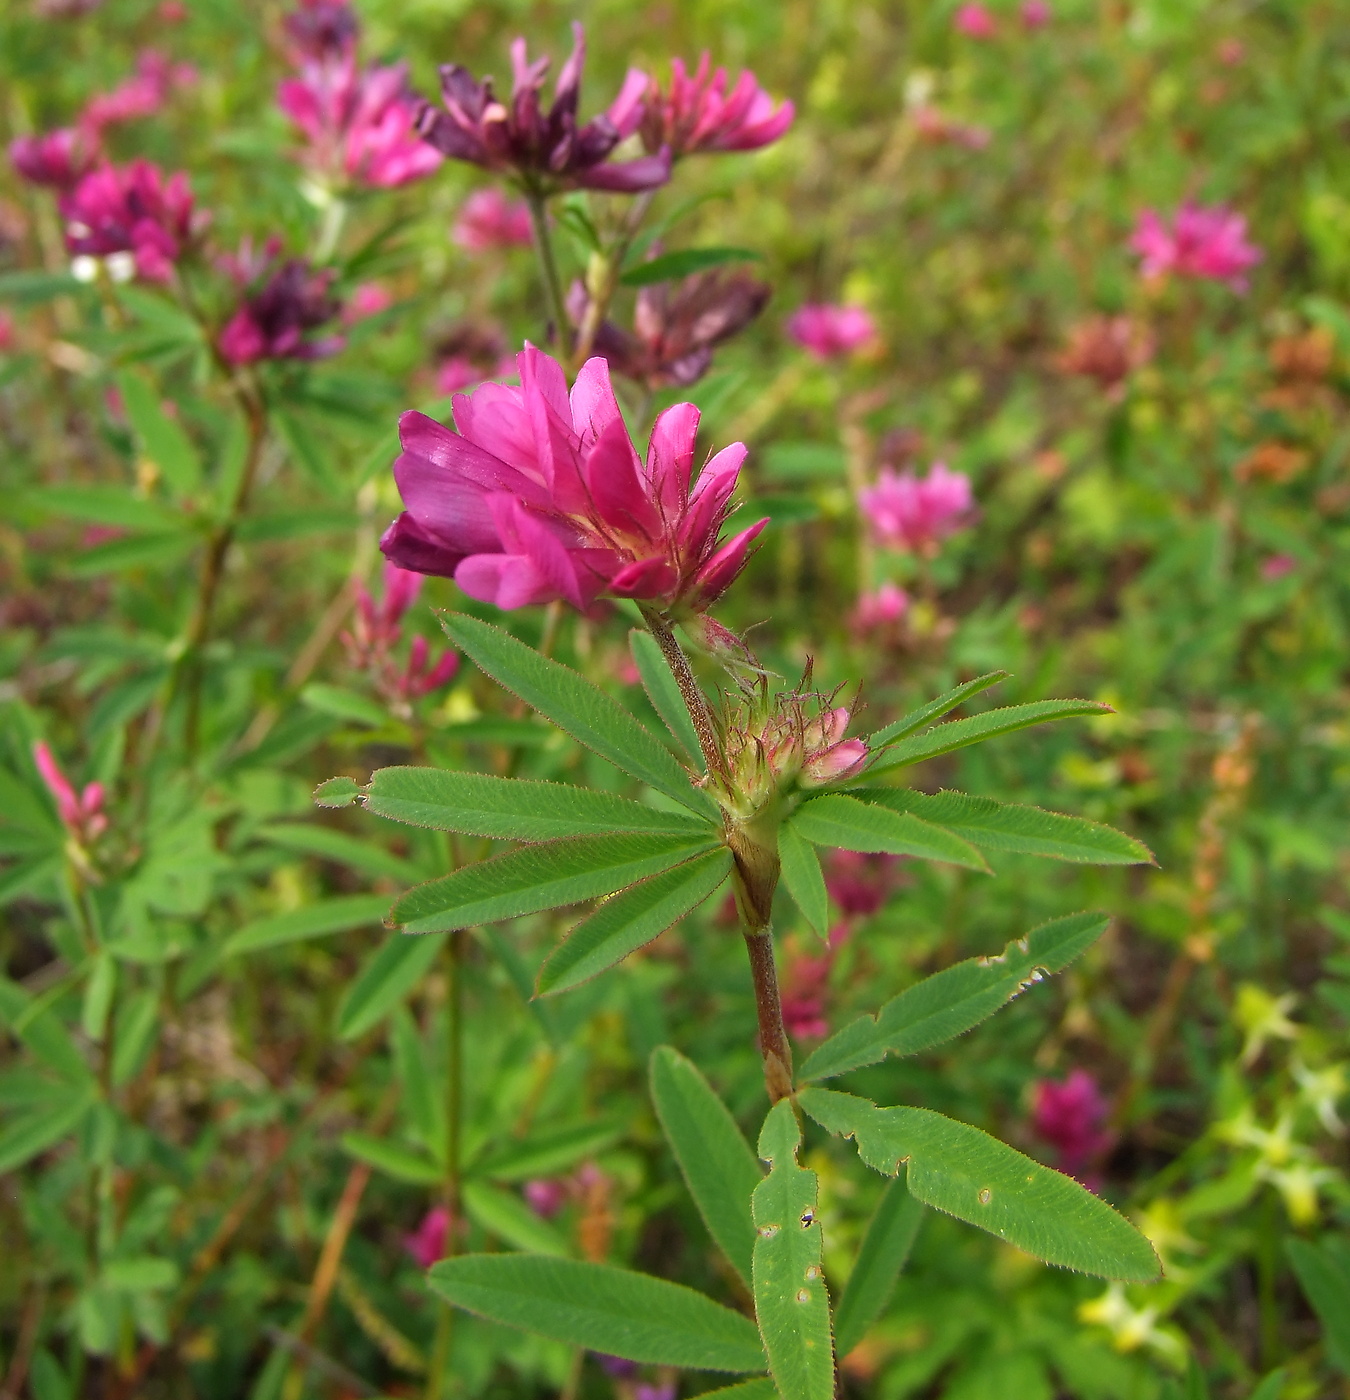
(700, 712)
(773, 1041)
(543, 246)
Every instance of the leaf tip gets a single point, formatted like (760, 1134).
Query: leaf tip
(337, 792)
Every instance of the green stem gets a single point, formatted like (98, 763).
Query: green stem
(537, 202)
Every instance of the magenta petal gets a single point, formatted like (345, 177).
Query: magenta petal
(495, 418)
(718, 574)
(617, 488)
(507, 581)
(453, 455)
(647, 578)
(628, 177)
(406, 544)
(708, 501)
(593, 406)
(670, 455)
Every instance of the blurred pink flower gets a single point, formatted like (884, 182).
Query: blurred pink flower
(1278, 566)
(535, 496)
(827, 331)
(859, 884)
(697, 113)
(1036, 13)
(1070, 1116)
(935, 126)
(488, 219)
(359, 122)
(546, 1196)
(172, 11)
(880, 609)
(1231, 52)
(81, 814)
(322, 29)
(804, 992)
(131, 208)
(7, 337)
(275, 319)
(367, 299)
(59, 158)
(377, 630)
(547, 148)
(1203, 241)
(910, 512)
(427, 1243)
(140, 96)
(456, 373)
(975, 22)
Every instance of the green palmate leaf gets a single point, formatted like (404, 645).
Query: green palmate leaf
(1323, 1272)
(951, 1002)
(135, 1031)
(600, 1308)
(396, 968)
(546, 1151)
(337, 846)
(341, 703)
(718, 1166)
(957, 734)
(663, 692)
(513, 809)
(631, 919)
(576, 706)
(836, 819)
(804, 878)
(26, 1135)
(326, 916)
(135, 552)
(160, 437)
(928, 714)
(337, 792)
(40, 1030)
(683, 262)
(791, 1304)
(1007, 826)
(881, 1257)
(966, 1173)
(539, 877)
(394, 1159)
(505, 1215)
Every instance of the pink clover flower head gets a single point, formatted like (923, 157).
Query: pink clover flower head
(547, 149)
(140, 96)
(676, 325)
(546, 1196)
(427, 1243)
(1278, 566)
(1070, 1116)
(535, 496)
(859, 884)
(1036, 14)
(359, 123)
(828, 755)
(828, 331)
(910, 512)
(488, 219)
(975, 22)
(882, 608)
(82, 814)
(377, 630)
(1208, 242)
(130, 209)
(59, 158)
(322, 30)
(697, 113)
(274, 321)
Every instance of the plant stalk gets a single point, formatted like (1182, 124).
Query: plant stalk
(773, 1042)
(537, 203)
(700, 712)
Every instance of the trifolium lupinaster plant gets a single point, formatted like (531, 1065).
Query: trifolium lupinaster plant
(537, 495)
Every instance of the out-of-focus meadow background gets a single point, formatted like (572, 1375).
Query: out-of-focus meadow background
(219, 1099)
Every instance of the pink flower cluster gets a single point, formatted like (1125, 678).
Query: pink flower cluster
(378, 630)
(359, 123)
(488, 219)
(827, 331)
(82, 813)
(1071, 1117)
(697, 113)
(916, 513)
(283, 303)
(881, 609)
(977, 21)
(536, 496)
(1208, 242)
(130, 209)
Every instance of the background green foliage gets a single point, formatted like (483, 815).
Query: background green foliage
(210, 1038)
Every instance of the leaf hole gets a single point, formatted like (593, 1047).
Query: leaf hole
(803, 1296)
(986, 1195)
(768, 1231)
(808, 1218)
(813, 1272)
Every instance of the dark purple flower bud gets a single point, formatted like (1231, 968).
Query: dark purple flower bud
(547, 149)
(676, 325)
(275, 321)
(322, 29)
